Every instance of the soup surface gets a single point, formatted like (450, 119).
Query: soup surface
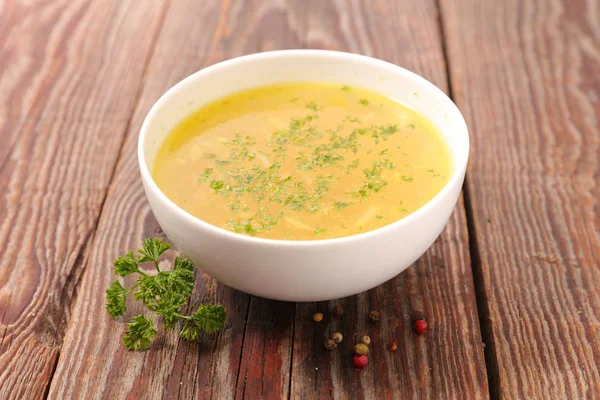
(303, 161)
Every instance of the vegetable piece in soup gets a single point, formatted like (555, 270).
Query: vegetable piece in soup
(303, 161)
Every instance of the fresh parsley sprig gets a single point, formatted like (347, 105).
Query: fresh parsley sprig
(163, 294)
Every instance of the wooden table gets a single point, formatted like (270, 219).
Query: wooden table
(510, 289)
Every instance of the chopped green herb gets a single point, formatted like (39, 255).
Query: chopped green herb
(340, 205)
(402, 208)
(313, 106)
(206, 174)
(379, 216)
(352, 119)
(346, 87)
(319, 231)
(216, 185)
(243, 171)
(354, 164)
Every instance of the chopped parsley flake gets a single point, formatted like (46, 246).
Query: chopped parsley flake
(319, 231)
(216, 185)
(259, 194)
(352, 119)
(340, 205)
(313, 106)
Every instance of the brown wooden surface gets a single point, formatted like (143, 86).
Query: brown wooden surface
(70, 74)
(531, 95)
(78, 77)
(266, 341)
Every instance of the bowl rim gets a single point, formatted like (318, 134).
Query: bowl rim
(456, 178)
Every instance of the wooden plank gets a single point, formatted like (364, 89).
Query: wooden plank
(264, 370)
(218, 367)
(530, 95)
(24, 63)
(67, 92)
(192, 38)
(445, 363)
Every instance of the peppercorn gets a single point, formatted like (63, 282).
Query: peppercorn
(361, 348)
(366, 340)
(420, 326)
(330, 344)
(318, 317)
(337, 337)
(337, 311)
(393, 346)
(360, 361)
(374, 316)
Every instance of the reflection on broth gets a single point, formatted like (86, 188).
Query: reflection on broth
(303, 162)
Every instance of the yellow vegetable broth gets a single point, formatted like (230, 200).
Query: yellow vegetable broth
(303, 162)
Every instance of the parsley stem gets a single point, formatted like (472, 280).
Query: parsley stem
(134, 286)
(156, 265)
(187, 318)
(141, 272)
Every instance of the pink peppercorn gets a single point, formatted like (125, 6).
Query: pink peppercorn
(420, 326)
(360, 361)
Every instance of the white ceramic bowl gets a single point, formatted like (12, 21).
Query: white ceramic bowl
(304, 270)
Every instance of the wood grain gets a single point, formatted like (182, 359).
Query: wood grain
(70, 72)
(271, 349)
(192, 38)
(437, 365)
(448, 362)
(24, 63)
(531, 96)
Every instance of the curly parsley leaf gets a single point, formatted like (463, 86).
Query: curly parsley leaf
(163, 294)
(182, 278)
(115, 296)
(140, 332)
(126, 265)
(208, 318)
(153, 248)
